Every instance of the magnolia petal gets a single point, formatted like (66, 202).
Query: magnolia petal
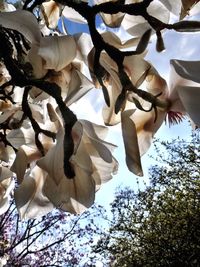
(72, 195)
(73, 15)
(5, 173)
(16, 138)
(114, 87)
(114, 40)
(29, 197)
(6, 115)
(136, 68)
(146, 127)
(190, 99)
(81, 191)
(159, 11)
(20, 164)
(84, 44)
(95, 134)
(131, 143)
(81, 158)
(187, 69)
(94, 130)
(54, 117)
(108, 113)
(5, 152)
(195, 8)
(78, 87)
(53, 161)
(6, 7)
(172, 6)
(110, 20)
(103, 170)
(37, 113)
(38, 95)
(98, 148)
(183, 74)
(155, 84)
(57, 51)
(22, 21)
(8, 185)
(36, 61)
(51, 13)
(62, 79)
(137, 25)
(4, 204)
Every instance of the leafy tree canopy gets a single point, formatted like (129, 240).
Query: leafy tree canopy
(159, 226)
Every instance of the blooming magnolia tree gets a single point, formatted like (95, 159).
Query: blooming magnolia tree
(59, 160)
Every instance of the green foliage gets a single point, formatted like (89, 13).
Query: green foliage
(159, 226)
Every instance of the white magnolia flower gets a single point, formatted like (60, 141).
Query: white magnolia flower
(136, 68)
(63, 55)
(92, 162)
(139, 127)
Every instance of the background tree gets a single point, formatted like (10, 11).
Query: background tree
(159, 226)
(56, 239)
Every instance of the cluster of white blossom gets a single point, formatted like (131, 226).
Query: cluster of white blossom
(67, 60)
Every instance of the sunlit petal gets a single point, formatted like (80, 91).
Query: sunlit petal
(146, 127)
(187, 69)
(129, 134)
(57, 51)
(190, 99)
(29, 197)
(22, 21)
(51, 13)
(113, 39)
(184, 74)
(73, 15)
(72, 195)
